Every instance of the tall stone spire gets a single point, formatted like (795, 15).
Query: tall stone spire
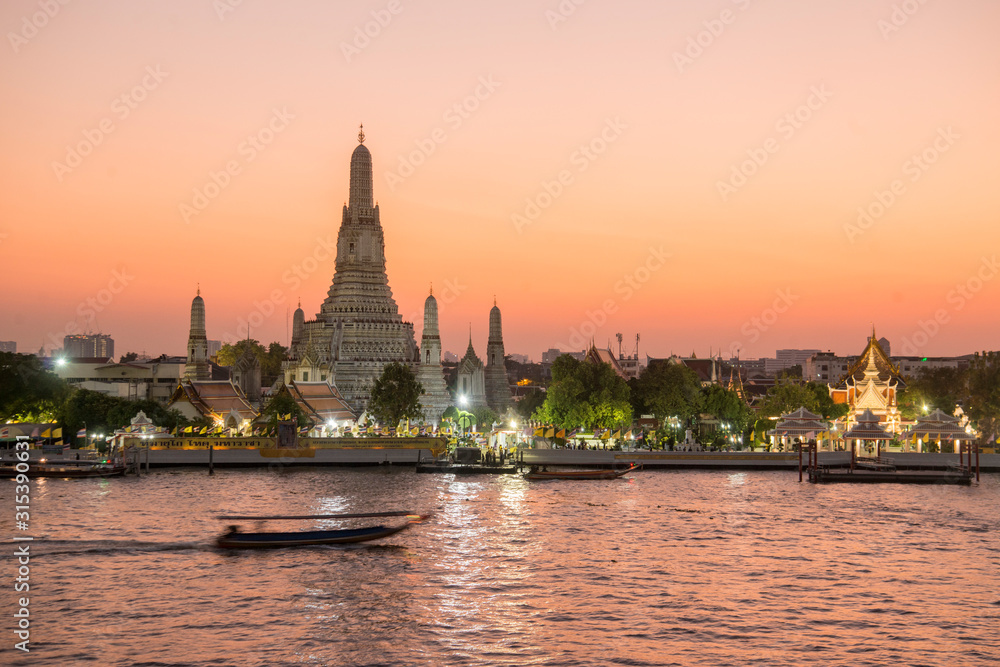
(298, 321)
(197, 367)
(497, 386)
(430, 374)
(361, 200)
(358, 329)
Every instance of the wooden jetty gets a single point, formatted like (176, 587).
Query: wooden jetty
(883, 470)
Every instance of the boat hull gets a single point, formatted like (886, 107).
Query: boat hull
(63, 472)
(579, 474)
(277, 540)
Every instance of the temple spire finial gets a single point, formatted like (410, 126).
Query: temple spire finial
(198, 291)
(361, 133)
(432, 289)
(494, 299)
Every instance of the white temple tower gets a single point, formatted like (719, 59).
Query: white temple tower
(497, 385)
(197, 367)
(358, 329)
(435, 399)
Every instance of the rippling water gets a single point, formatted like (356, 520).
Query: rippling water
(662, 568)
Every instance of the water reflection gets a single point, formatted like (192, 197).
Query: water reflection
(675, 568)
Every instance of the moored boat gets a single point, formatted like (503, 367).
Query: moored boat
(63, 469)
(536, 474)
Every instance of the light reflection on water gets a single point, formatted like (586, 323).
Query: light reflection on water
(660, 568)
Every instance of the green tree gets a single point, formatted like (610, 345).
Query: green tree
(396, 395)
(28, 392)
(786, 396)
(941, 388)
(531, 401)
(127, 357)
(270, 357)
(824, 404)
(105, 414)
(666, 389)
(485, 417)
(983, 403)
(271, 360)
(727, 406)
(586, 394)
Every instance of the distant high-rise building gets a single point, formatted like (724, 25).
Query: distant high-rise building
(519, 358)
(551, 355)
(8, 346)
(83, 346)
(213, 347)
(785, 359)
(197, 367)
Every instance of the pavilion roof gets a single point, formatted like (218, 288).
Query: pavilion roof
(938, 425)
(214, 398)
(321, 401)
(887, 371)
(800, 415)
(867, 428)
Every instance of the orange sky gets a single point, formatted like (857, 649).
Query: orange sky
(643, 234)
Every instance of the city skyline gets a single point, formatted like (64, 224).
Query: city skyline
(726, 176)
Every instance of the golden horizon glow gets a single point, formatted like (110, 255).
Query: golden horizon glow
(705, 197)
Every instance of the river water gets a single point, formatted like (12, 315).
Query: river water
(660, 568)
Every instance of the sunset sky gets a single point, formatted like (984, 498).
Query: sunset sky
(688, 170)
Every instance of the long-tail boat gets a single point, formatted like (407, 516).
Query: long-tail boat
(234, 538)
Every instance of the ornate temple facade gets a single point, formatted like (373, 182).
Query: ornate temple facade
(197, 367)
(470, 385)
(495, 375)
(358, 329)
(435, 399)
(871, 383)
(246, 375)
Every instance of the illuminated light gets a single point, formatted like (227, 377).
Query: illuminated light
(61, 361)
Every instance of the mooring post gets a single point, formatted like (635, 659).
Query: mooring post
(147, 458)
(800, 462)
(211, 462)
(977, 462)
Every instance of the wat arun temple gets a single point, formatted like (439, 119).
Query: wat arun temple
(359, 330)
